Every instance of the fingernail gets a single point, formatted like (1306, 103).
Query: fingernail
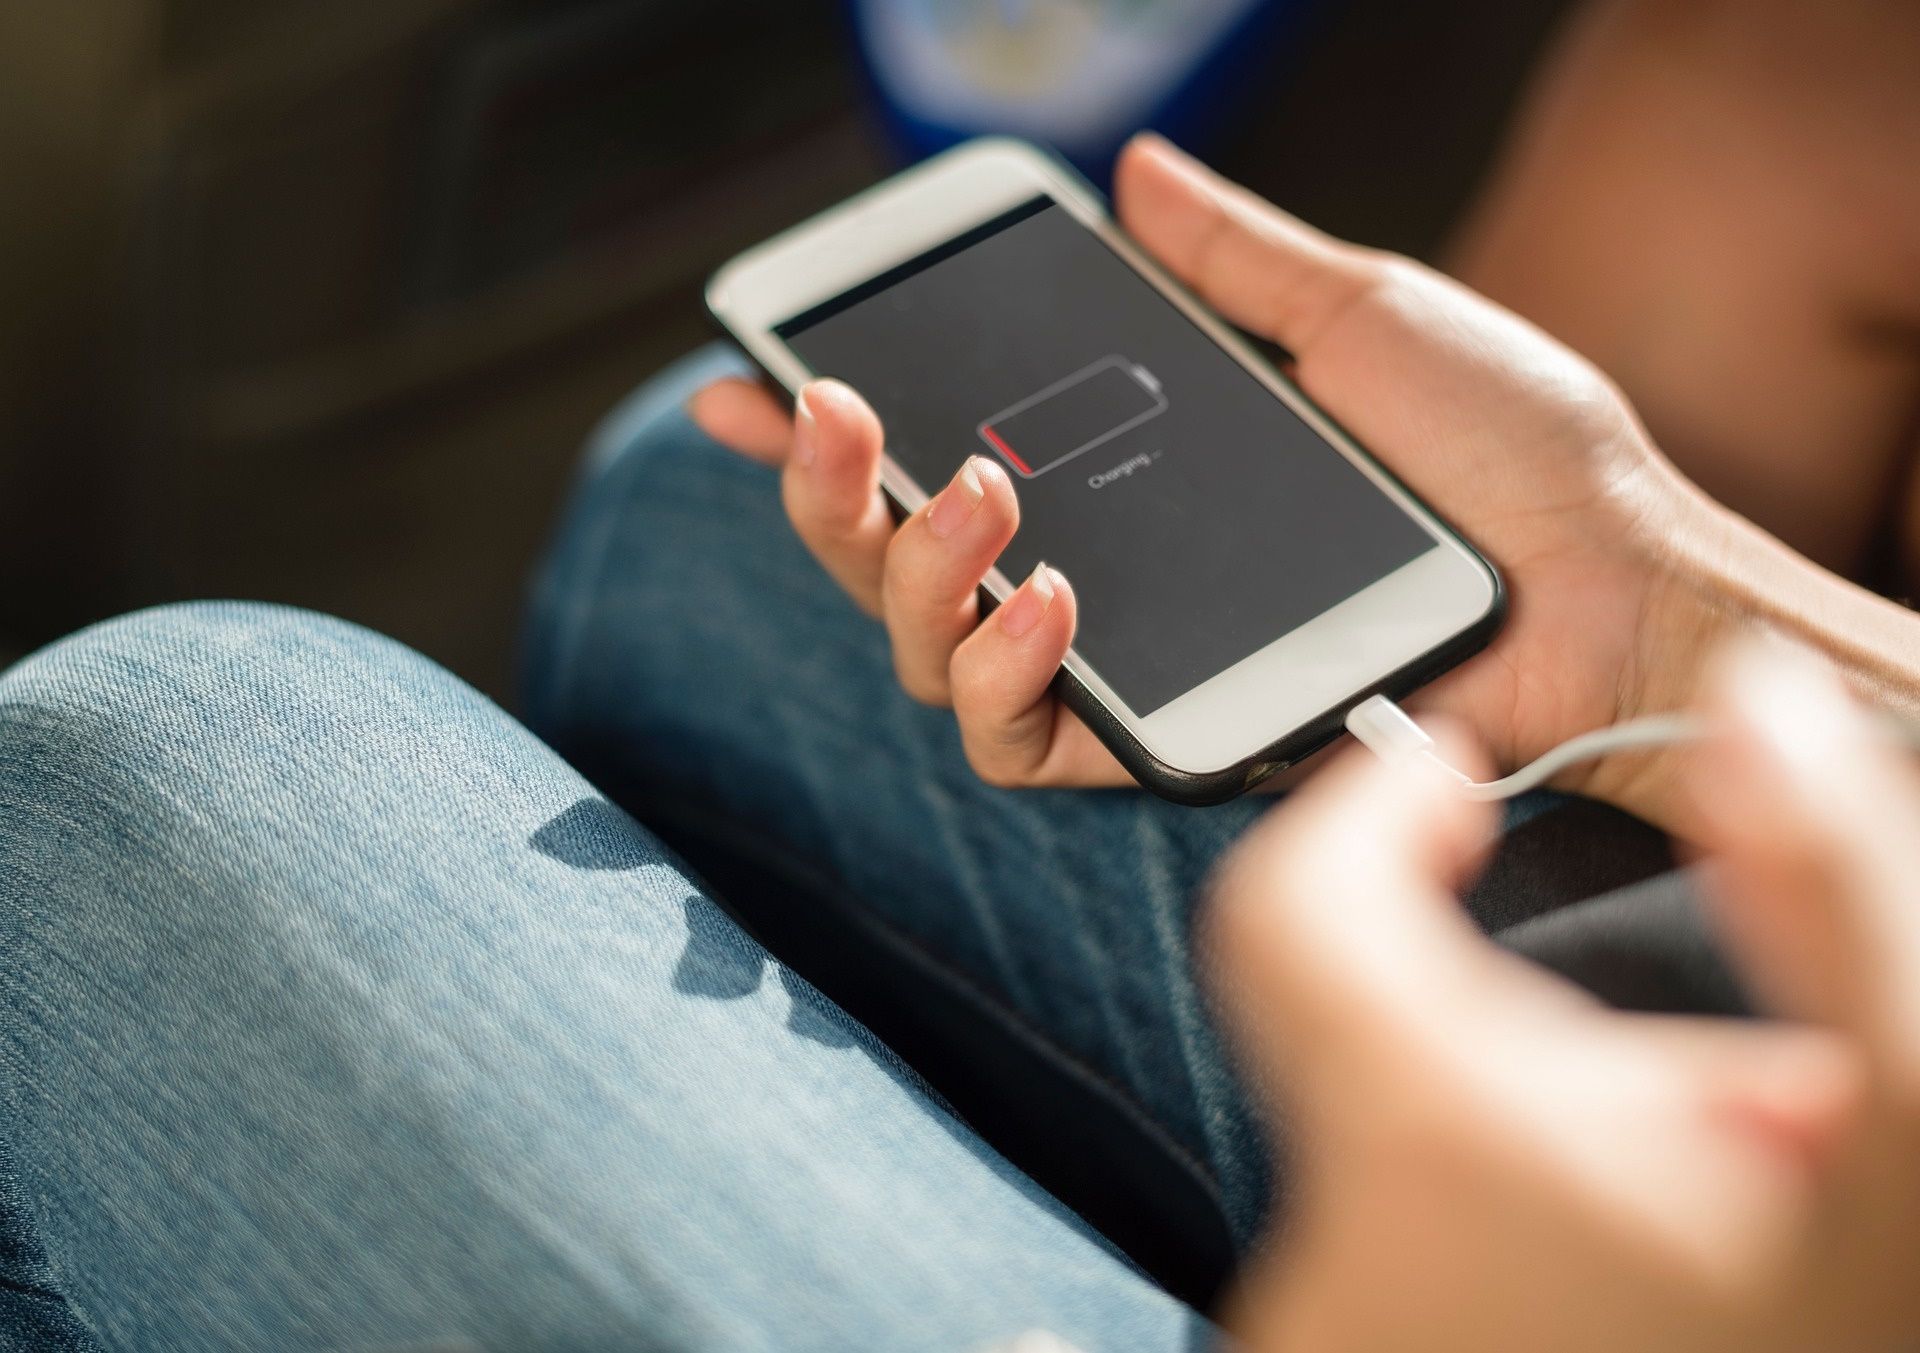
(955, 503)
(805, 431)
(1026, 606)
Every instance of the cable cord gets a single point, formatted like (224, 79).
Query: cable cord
(1390, 733)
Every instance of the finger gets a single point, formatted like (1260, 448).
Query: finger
(1790, 1089)
(930, 591)
(1261, 268)
(744, 416)
(1334, 925)
(1002, 678)
(1813, 819)
(831, 488)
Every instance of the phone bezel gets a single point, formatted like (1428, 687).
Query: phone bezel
(1395, 625)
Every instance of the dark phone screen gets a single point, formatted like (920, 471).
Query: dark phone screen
(1196, 515)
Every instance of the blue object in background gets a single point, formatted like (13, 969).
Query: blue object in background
(1077, 75)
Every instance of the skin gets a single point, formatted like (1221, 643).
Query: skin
(1624, 575)
(1488, 1159)
(1485, 1159)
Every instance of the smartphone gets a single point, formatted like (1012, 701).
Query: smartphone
(1245, 572)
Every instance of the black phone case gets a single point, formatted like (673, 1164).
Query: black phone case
(1204, 789)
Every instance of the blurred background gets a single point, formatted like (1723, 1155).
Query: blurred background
(315, 300)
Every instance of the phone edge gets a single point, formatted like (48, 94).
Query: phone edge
(1200, 789)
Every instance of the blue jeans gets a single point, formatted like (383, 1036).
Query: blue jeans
(340, 1010)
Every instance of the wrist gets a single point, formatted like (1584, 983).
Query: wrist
(1716, 576)
(1700, 593)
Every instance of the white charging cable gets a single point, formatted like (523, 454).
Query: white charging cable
(1390, 733)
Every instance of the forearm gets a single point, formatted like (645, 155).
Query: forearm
(1726, 577)
(1873, 641)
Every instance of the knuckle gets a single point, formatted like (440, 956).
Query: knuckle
(918, 586)
(995, 770)
(904, 574)
(970, 687)
(822, 515)
(1364, 278)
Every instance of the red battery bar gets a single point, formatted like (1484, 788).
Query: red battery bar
(1073, 415)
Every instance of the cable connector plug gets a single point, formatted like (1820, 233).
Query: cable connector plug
(1390, 733)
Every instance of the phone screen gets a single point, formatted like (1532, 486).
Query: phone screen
(1196, 515)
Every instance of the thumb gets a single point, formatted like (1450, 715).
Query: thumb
(1263, 269)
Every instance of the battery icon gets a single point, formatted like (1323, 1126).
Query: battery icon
(1073, 415)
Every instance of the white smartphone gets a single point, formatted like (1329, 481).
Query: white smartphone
(1245, 572)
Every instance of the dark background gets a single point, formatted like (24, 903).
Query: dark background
(314, 300)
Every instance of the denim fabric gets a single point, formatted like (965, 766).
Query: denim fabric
(337, 1011)
(685, 649)
(687, 653)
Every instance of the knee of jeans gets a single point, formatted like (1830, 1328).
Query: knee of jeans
(203, 690)
(190, 656)
(217, 705)
(236, 747)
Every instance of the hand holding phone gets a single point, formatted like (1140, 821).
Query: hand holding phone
(1499, 428)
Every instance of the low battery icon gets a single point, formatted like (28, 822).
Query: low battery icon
(1073, 415)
